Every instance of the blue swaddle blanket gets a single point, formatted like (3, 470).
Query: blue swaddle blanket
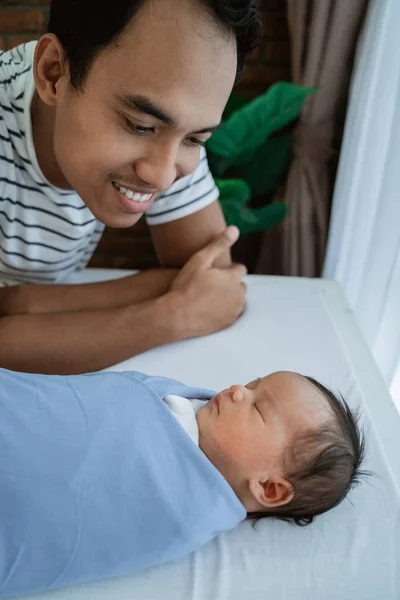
(99, 480)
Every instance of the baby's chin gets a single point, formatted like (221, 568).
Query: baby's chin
(201, 413)
(203, 420)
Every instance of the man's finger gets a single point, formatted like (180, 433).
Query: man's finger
(221, 243)
(238, 270)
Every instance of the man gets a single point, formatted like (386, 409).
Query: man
(102, 120)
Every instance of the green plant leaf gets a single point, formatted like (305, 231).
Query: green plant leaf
(251, 220)
(269, 166)
(234, 190)
(218, 164)
(249, 127)
(234, 103)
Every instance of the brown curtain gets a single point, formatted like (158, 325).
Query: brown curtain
(324, 34)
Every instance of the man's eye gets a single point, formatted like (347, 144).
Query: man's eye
(195, 142)
(138, 128)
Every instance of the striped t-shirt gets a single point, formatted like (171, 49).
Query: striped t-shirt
(47, 233)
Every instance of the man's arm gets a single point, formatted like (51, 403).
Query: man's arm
(64, 298)
(81, 342)
(201, 300)
(175, 242)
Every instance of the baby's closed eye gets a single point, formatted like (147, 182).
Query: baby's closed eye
(259, 412)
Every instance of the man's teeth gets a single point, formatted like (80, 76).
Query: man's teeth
(133, 195)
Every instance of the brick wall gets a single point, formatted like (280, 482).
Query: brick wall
(21, 22)
(24, 20)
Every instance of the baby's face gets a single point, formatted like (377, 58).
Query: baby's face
(245, 430)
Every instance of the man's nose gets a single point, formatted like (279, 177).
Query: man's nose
(158, 169)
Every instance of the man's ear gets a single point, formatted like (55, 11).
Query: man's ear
(271, 492)
(49, 67)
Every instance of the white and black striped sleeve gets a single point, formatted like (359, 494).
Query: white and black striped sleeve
(188, 195)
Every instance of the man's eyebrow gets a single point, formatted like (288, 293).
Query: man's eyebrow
(147, 106)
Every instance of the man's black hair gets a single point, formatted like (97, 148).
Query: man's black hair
(322, 465)
(86, 27)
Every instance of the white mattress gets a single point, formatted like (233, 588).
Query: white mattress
(353, 552)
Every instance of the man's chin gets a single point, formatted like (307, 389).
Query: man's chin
(119, 221)
(113, 216)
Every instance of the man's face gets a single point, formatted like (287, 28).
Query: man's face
(171, 61)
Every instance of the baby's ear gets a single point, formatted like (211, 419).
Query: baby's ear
(270, 493)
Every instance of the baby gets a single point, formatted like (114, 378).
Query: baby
(109, 473)
(287, 446)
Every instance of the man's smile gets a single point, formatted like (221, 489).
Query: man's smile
(133, 202)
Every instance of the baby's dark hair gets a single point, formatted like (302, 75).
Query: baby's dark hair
(322, 465)
(86, 27)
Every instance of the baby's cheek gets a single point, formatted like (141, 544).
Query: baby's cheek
(234, 445)
(249, 450)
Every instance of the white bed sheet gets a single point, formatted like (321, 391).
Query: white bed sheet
(353, 552)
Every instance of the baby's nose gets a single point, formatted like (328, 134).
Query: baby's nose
(237, 393)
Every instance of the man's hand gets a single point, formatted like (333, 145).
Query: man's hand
(208, 298)
(190, 234)
(90, 327)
